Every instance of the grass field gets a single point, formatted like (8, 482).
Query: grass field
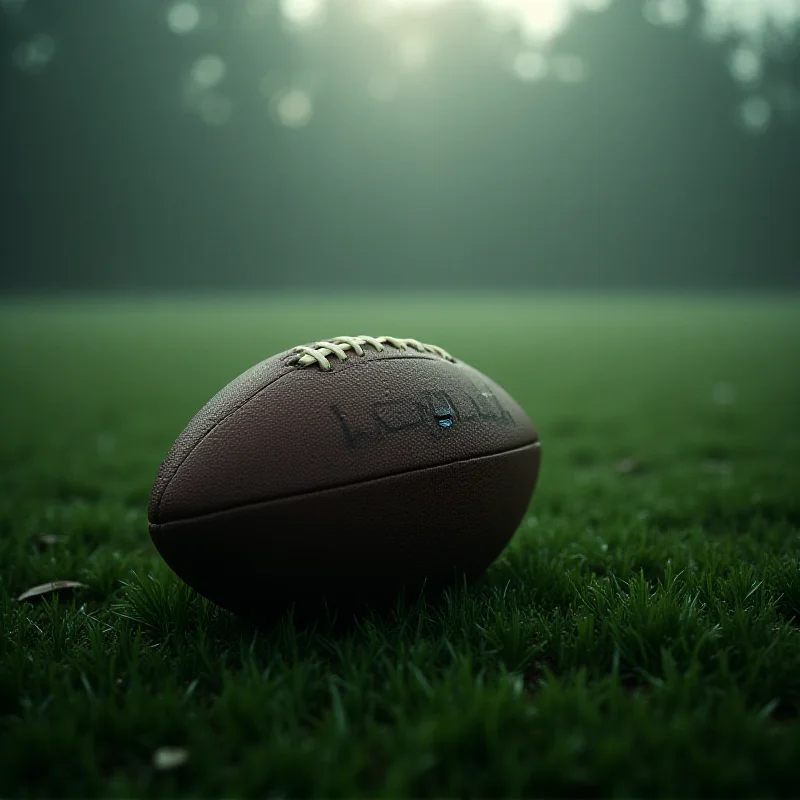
(638, 637)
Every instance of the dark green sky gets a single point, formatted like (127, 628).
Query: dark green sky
(470, 143)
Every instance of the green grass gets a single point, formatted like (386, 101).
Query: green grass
(638, 637)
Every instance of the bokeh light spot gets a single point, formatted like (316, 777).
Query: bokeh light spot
(36, 53)
(293, 108)
(752, 20)
(536, 22)
(302, 13)
(755, 114)
(530, 65)
(183, 17)
(745, 64)
(208, 71)
(667, 13)
(544, 19)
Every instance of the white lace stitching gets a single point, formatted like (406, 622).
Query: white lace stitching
(320, 352)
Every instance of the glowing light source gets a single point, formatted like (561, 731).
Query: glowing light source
(302, 13)
(537, 21)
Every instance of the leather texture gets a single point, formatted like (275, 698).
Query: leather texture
(218, 408)
(366, 540)
(390, 469)
(280, 430)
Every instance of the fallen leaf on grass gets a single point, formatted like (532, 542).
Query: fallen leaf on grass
(170, 757)
(49, 588)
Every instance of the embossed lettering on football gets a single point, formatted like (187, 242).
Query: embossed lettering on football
(343, 469)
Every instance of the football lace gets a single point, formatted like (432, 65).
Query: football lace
(320, 352)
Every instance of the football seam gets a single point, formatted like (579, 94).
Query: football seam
(320, 352)
(289, 371)
(156, 525)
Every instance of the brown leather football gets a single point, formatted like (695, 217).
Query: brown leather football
(348, 468)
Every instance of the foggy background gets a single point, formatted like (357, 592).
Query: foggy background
(335, 145)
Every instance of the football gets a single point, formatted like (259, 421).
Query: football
(344, 470)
